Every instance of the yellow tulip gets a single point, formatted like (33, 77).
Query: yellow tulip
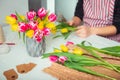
(53, 30)
(57, 50)
(50, 25)
(10, 20)
(64, 48)
(30, 33)
(41, 25)
(77, 51)
(14, 27)
(22, 17)
(64, 30)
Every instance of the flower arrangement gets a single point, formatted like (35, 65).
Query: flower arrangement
(35, 25)
(73, 56)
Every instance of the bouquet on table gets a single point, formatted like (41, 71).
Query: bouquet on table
(35, 25)
(82, 57)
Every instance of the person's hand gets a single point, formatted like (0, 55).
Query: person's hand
(71, 23)
(75, 21)
(83, 31)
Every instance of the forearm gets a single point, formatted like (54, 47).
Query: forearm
(104, 31)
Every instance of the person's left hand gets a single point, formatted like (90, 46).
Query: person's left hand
(83, 31)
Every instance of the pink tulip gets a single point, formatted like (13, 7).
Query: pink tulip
(46, 31)
(22, 27)
(38, 39)
(31, 15)
(52, 17)
(68, 43)
(38, 35)
(33, 25)
(42, 12)
(62, 59)
(53, 58)
(14, 16)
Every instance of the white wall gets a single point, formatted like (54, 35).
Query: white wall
(51, 5)
(65, 7)
(10, 6)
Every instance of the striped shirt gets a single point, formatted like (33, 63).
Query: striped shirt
(99, 13)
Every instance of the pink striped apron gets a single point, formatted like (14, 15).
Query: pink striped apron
(99, 13)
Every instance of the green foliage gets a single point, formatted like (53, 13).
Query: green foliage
(18, 16)
(64, 25)
(113, 50)
(83, 69)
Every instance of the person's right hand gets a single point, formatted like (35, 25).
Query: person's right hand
(84, 31)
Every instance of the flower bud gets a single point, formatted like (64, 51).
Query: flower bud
(62, 59)
(38, 35)
(77, 51)
(32, 25)
(53, 58)
(31, 15)
(46, 31)
(69, 43)
(64, 30)
(42, 12)
(64, 48)
(14, 16)
(52, 17)
(22, 26)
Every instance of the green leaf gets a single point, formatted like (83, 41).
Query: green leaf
(64, 25)
(71, 28)
(112, 49)
(66, 35)
(82, 69)
(19, 35)
(23, 37)
(57, 36)
(18, 16)
(46, 55)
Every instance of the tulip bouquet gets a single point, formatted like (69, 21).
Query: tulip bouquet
(64, 29)
(74, 56)
(35, 25)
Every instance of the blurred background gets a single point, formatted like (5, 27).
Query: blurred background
(60, 7)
